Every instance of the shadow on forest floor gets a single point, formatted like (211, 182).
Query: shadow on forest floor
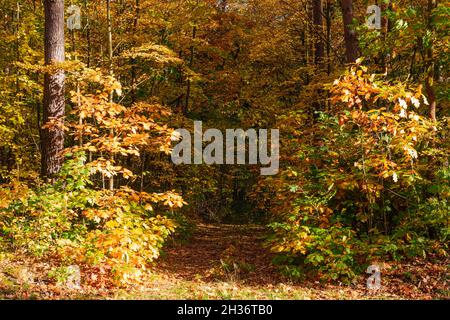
(224, 252)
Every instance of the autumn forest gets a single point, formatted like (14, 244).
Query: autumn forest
(224, 149)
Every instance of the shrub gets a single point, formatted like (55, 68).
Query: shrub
(359, 183)
(73, 223)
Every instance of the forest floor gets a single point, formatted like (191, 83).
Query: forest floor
(231, 262)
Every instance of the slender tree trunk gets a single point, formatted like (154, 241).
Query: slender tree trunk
(17, 45)
(110, 44)
(307, 40)
(54, 104)
(386, 27)
(328, 19)
(133, 60)
(318, 23)
(110, 67)
(191, 62)
(351, 40)
(431, 65)
(88, 35)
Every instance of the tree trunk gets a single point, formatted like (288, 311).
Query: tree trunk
(54, 104)
(110, 44)
(318, 23)
(88, 35)
(191, 61)
(429, 82)
(351, 40)
(328, 20)
(111, 72)
(133, 60)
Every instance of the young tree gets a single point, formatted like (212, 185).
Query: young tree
(54, 104)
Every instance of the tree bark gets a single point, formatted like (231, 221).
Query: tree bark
(351, 39)
(328, 22)
(111, 72)
(133, 60)
(318, 23)
(191, 62)
(429, 82)
(54, 101)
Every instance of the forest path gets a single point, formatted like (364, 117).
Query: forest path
(219, 261)
(222, 261)
(221, 252)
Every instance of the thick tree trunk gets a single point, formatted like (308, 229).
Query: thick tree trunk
(318, 23)
(54, 104)
(351, 40)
